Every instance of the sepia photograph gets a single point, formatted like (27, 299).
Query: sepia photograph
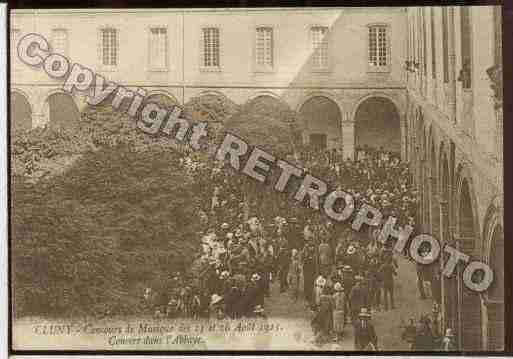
(256, 179)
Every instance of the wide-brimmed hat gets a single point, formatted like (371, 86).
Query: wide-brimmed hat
(216, 298)
(364, 313)
(347, 268)
(351, 250)
(225, 226)
(338, 287)
(258, 309)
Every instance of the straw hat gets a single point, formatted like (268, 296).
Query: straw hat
(258, 309)
(351, 250)
(347, 268)
(225, 226)
(338, 287)
(448, 332)
(215, 299)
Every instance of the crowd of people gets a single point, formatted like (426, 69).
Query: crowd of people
(251, 238)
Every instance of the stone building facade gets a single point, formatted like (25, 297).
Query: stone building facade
(316, 61)
(454, 119)
(419, 78)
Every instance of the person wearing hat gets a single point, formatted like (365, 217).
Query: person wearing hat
(358, 298)
(387, 272)
(365, 337)
(448, 341)
(217, 306)
(309, 257)
(339, 311)
(259, 312)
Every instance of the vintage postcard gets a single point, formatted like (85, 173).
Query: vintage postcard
(242, 179)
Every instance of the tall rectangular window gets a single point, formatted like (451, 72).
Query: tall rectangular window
(264, 47)
(109, 39)
(158, 48)
(433, 43)
(466, 55)
(60, 41)
(319, 36)
(445, 44)
(378, 52)
(211, 47)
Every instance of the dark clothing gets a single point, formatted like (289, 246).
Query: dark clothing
(358, 299)
(364, 334)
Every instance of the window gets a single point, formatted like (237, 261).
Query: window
(466, 57)
(445, 44)
(158, 48)
(210, 47)
(60, 41)
(378, 52)
(264, 47)
(109, 41)
(320, 47)
(433, 44)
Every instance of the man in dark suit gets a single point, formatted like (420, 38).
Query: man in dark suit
(365, 337)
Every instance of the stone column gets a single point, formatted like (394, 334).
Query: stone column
(347, 137)
(404, 135)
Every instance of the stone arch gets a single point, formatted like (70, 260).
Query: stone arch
(367, 96)
(212, 106)
(20, 111)
(212, 93)
(162, 98)
(326, 94)
(469, 302)
(61, 110)
(378, 124)
(275, 96)
(493, 314)
(320, 121)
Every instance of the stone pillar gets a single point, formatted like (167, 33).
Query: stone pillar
(348, 138)
(404, 135)
(41, 113)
